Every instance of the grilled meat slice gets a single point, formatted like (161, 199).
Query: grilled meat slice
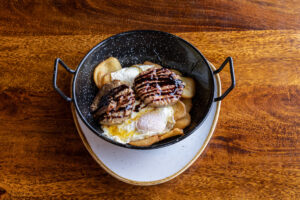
(158, 87)
(103, 91)
(115, 105)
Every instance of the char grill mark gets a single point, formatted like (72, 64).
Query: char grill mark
(116, 105)
(104, 90)
(158, 87)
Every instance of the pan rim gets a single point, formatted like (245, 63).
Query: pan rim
(154, 146)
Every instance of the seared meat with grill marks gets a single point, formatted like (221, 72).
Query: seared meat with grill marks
(158, 87)
(113, 103)
(103, 91)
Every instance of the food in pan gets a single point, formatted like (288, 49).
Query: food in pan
(142, 104)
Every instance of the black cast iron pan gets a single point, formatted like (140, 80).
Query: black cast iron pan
(135, 47)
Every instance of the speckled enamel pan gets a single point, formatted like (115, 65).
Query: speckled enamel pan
(135, 47)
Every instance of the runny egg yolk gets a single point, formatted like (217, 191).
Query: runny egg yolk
(121, 133)
(141, 124)
(127, 129)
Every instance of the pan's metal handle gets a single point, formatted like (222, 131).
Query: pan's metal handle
(56, 63)
(229, 59)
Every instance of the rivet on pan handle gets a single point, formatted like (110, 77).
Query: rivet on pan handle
(229, 59)
(56, 63)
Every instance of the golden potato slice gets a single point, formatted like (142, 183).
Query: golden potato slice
(145, 142)
(179, 110)
(176, 72)
(156, 138)
(174, 132)
(190, 87)
(151, 63)
(109, 65)
(183, 122)
(188, 104)
(106, 79)
(98, 78)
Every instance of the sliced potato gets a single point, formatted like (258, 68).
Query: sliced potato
(174, 132)
(176, 72)
(145, 142)
(183, 122)
(109, 65)
(106, 79)
(151, 63)
(97, 78)
(188, 104)
(179, 110)
(190, 87)
(156, 138)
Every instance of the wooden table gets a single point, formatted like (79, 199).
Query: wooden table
(255, 150)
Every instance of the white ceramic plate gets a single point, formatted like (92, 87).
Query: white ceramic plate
(150, 167)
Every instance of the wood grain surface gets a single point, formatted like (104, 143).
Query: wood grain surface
(94, 17)
(255, 150)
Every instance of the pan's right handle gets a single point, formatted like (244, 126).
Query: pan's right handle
(56, 64)
(230, 61)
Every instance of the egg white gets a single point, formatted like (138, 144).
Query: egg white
(127, 131)
(128, 74)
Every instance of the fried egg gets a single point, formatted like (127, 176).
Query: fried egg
(128, 74)
(147, 122)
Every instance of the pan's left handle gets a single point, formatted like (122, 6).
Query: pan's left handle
(56, 64)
